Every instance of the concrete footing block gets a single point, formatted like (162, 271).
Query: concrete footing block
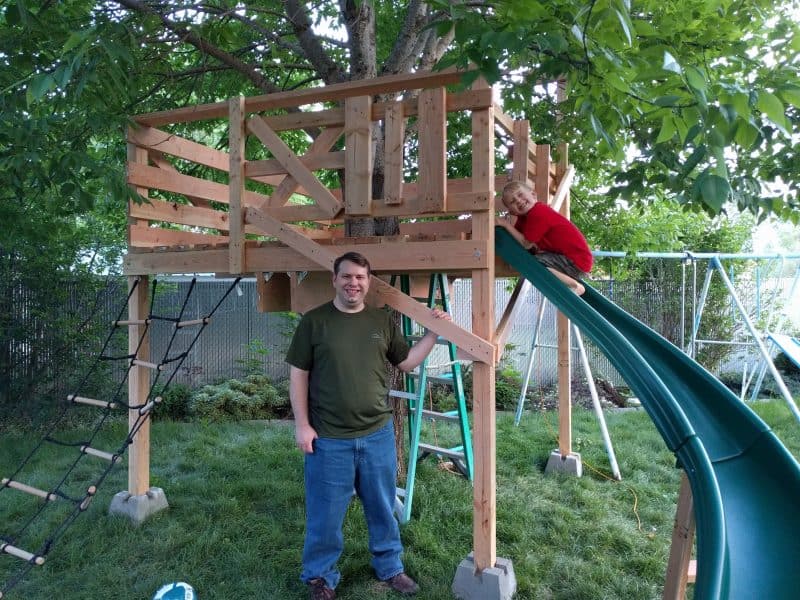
(138, 508)
(570, 464)
(494, 583)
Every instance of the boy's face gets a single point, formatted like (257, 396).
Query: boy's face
(519, 201)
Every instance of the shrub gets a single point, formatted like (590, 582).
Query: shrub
(233, 400)
(174, 402)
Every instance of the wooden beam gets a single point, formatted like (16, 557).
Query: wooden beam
(157, 158)
(321, 195)
(510, 313)
(175, 145)
(563, 188)
(319, 147)
(542, 183)
(680, 551)
(144, 236)
(522, 141)
(236, 139)
(394, 144)
(483, 379)
(273, 294)
(138, 388)
(312, 162)
(475, 347)
(432, 136)
(358, 156)
(330, 93)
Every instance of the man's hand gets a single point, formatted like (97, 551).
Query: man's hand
(305, 435)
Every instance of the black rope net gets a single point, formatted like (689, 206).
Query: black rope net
(50, 507)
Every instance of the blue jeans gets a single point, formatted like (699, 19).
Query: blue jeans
(367, 465)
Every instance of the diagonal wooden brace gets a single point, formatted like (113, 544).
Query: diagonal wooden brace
(475, 347)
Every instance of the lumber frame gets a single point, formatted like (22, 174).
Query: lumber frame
(138, 387)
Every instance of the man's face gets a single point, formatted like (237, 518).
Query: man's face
(519, 201)
(351, 284)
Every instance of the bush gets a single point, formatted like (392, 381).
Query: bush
(174, 402)
(233, 400)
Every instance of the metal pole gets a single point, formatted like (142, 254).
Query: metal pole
(598, 410)
(702, 303)
(757, 337)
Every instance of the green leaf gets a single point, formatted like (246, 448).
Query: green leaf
(714, 190)
(771, 106)
(667, 129)
(790, 94)
(39, 85)
(623, 20)
(696, 79)
(746, 134)
(670, 100)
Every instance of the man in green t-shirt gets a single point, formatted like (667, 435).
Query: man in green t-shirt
(339, 393)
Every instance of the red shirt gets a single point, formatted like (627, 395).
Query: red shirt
(552, 232)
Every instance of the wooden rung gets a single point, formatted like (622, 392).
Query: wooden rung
(691, 572)
(27, 556)
(405, 395)
(147, 365)
(100, 454)
(431, 449)
(149, 406)
(203, 321)
(131, 322)
(28, 489)
(91, 401)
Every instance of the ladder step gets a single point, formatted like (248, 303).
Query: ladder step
(448, 452)
(28, 489)
(451, 416)
(130, 322)
(149, 406)
(91, 401)
(203, 321)
(27, 556)
(406, 395)
(147, 365)
(100, 454)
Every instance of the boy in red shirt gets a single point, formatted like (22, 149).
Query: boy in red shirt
(551, 237)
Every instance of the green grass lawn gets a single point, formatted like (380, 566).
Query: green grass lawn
(234, 529)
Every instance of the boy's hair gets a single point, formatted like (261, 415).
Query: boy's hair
(353, 257)
(513, 186)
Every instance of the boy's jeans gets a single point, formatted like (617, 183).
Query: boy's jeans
(336, 467)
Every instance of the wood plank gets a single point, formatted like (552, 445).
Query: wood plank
(432, 134)
(510, 314)
(484, 522)
(273, 293)
(358, 156)
(331, 93)
(680, 552)
(157, 158)
(324, 199)
(135, 155)
(152, 177)
(394, 144)
(452, 226)
(236, 140)
(182, 214)
(138, 387)
(317, 119)
(144, 236)
(180, 147)
(457, 101)
(319, 146)
(522, 142)
(562, 193)
(271, 166)
(542, 182)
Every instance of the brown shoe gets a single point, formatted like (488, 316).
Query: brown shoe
(320, 590)
(403, 583)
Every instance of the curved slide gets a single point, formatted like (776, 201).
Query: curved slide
(745, 483)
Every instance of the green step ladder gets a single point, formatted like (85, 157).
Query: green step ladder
(417, 385)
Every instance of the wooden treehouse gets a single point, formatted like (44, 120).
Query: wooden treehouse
(274, 218)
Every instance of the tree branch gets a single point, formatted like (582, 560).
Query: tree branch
(312, 48)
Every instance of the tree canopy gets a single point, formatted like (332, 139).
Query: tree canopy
(692, 101)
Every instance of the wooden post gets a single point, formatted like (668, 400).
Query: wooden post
(236, 139)
(138, 388)
(136, 156)
(522, 142)
(680, 552)
(395, 125)
(432, 150)
(562, 323)
(358, 156)
(484, 494)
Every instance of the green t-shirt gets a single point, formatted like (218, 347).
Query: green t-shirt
(346, 354)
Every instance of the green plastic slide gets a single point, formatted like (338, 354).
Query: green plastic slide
(745, 483)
